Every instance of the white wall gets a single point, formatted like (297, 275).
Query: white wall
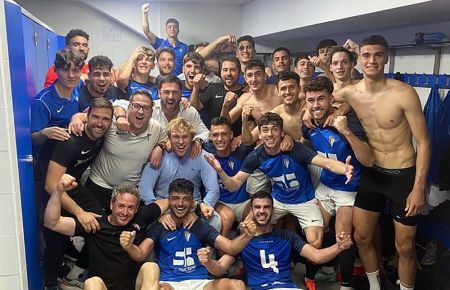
(13, 273)
(267, 16)
(198, 22)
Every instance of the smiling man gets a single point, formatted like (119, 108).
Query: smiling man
(391, 114)
(77, 41)
(53, 107)
(194, 79)
(110, 268)
(172, 30)
(99, 85)
(179, 163)
(73, 157)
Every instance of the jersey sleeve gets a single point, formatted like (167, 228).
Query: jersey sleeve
(79, 230)
(208, 233)
(40, 116)
(65, 152)
(147, 214)
(305, 131)
(297, 242)
(205, 97)
(250, 163)
(355, 126)
(158, 42)
(154, 232)
(302, 153)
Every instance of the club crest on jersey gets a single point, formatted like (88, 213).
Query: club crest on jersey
(331, 140)
(231, 164)
(286, 162)
(187, 235)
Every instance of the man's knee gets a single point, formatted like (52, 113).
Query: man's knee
(150, 269)
(94, 283)
(234, 284)
(405, 248)
(227, 217)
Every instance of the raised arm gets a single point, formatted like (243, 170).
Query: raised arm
(215, 267)
(248, 137)
(231, 113)
(145, 26)
(136, 252)
(52, 217)
(126, 69)
(235, 246)
(87, 219)
(213, 46)
(363, 151)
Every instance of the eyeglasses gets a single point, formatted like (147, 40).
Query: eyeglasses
(137, 107)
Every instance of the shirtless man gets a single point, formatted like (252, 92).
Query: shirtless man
(288, 89)
(391, 115)
(342, 61)
(261, 97)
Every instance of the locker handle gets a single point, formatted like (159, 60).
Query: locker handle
(48, 43)
(35, 38)
(28, 158)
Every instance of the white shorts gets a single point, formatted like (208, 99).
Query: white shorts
(195, 284)
(308, 213)
(332, 199)
(258, 181)
(237, 209)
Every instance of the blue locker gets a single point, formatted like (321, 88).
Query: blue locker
(33, 85)
(41, 53)
(52, 47)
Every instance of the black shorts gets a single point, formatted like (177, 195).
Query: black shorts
(378, 185)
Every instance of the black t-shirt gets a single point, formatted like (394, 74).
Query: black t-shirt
(107, 259)
(113, 93)
(212, 101)
(76, 154)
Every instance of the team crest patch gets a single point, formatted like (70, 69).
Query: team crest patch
(231, 164)
(187, 235)
(331, 140)
(286, 162)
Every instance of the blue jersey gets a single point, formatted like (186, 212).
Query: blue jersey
(329, 143)
(231, 165)
(267, 259)
(176, 251)
(288, 172)
(134, 86)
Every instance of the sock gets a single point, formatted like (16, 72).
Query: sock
(374, 280)
(404, 287)
(345, 288)
(75, 273)
(311, 270)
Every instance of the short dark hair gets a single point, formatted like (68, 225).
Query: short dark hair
(270, 118)
(255, 63)
(319, 84)
(141, 92)
(181, 185)
(64, 57)
(195, 57)
(326, 43)
(164, 49)
(281, 48)
(74, 33)
(170, 79)
(98, 103)
(248, 38)
(100, 62)
(300, 57)
(173, 20)
(375, 39)
(288, 75)
(217, 121)
(352, 56)
(261, 195)
(232, 59)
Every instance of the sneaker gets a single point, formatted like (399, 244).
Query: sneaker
(429, 258)
(310, 284)
(321, 275)
(68, 284)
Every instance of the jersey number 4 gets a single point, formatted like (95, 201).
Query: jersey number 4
(268, 264)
